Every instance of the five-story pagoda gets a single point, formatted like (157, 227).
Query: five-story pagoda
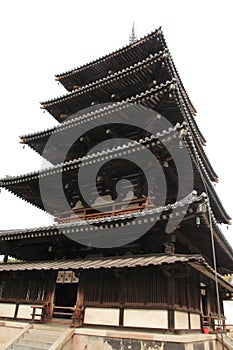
(78, 269)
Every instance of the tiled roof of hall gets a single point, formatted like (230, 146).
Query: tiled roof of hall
(113, 61)
(119, 262)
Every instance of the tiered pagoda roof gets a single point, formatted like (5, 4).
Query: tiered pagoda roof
(153, 82)
(37, 141)
(152, 43)
(142, 73)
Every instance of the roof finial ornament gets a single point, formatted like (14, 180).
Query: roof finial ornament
(132, 37)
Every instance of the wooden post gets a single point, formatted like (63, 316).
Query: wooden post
(171, 320)
(78, 316)
(48, 308)
(171, 298)
(121, 316)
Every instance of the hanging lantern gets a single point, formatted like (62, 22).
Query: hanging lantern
(198, 221)
(180, 144)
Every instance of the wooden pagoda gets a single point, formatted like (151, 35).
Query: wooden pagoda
(160, 281)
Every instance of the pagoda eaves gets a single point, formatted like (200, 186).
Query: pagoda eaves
(28, 186)
(112, 62)
(32, 244)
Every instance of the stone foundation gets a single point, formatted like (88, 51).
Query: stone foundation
(108, 340)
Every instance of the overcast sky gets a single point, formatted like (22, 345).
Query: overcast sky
(42, 38)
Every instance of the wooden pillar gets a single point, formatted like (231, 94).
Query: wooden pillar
(78, 317)
(171, 319)
(51, 289)
(48, 308)
(121, 316)
(170, 298)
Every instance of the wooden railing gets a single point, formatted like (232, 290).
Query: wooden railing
(107, 210)
(214, 322)
(63, 311)
(35, 313)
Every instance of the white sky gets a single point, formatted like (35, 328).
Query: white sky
(43, 38)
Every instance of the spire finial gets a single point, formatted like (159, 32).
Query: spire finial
(132, 37)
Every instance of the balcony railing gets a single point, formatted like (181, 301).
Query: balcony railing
(106, 210)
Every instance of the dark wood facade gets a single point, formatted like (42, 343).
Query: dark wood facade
(174, 292)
